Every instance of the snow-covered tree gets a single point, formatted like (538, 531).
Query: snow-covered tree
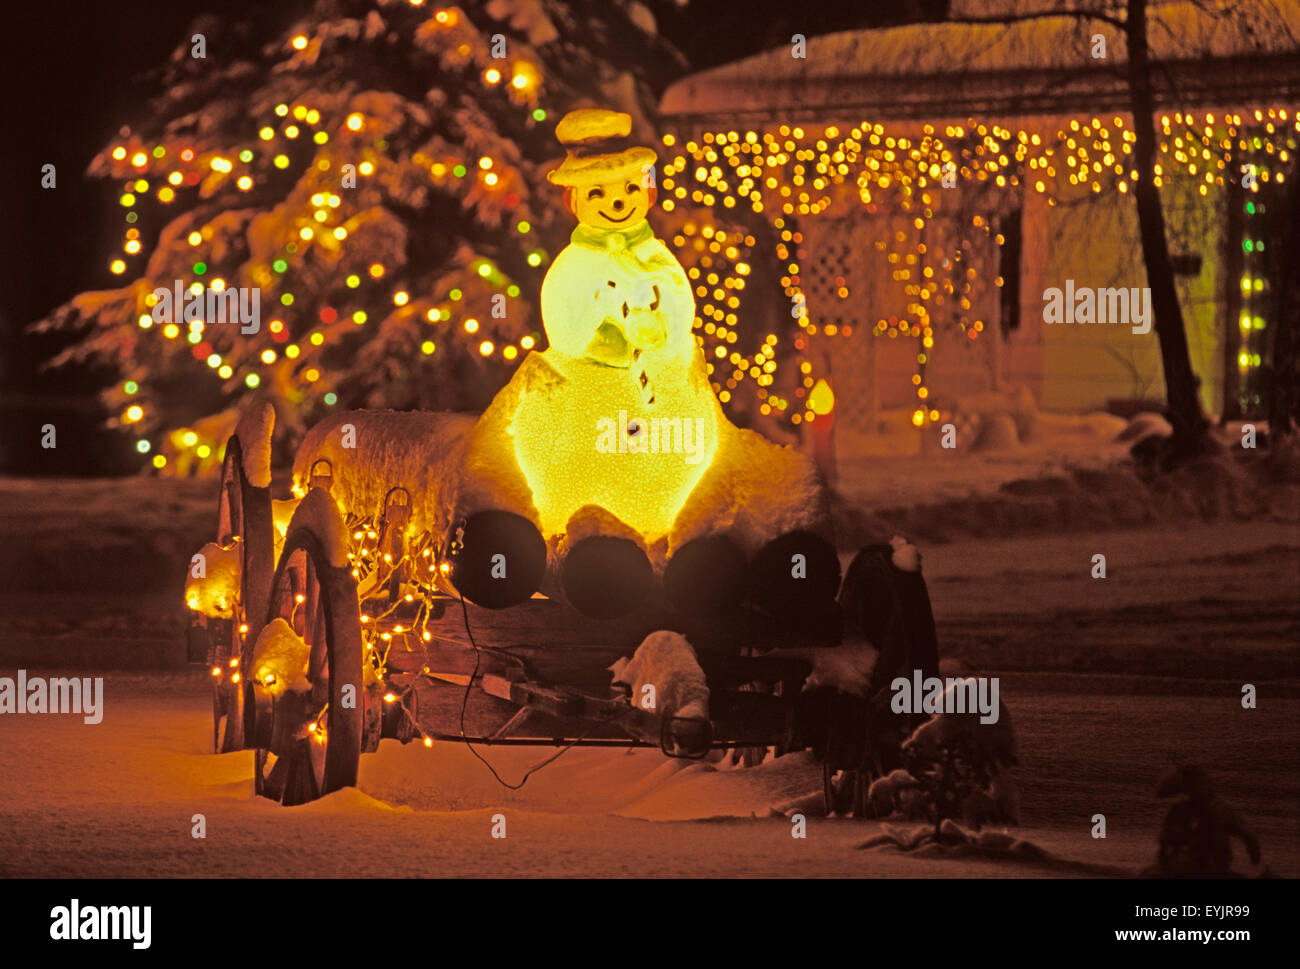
(374, 175)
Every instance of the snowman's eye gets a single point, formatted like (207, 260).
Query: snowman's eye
(631, 188)
(595, 193)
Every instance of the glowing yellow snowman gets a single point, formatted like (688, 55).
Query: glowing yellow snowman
(624, 417)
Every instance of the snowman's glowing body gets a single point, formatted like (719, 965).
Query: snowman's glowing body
(618, 312)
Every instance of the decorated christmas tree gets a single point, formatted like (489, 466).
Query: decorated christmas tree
(352, 213)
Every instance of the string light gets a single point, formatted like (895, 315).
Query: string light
(787, 173)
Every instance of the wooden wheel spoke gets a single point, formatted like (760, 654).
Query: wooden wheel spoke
(317, 740)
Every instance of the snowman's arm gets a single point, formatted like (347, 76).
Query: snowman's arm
(677, 303)
(574, 303)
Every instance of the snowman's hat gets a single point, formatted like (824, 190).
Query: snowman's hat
(598, 151)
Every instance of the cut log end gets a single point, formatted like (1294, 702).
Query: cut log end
(606, 577)
(499, 561)
(792, 572)
(706, 577)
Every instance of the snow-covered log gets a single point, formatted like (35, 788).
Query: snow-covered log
(371, 452)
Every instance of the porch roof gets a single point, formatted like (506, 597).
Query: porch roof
(1247, 54)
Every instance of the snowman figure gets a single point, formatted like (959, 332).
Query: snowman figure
(615, 295)
(617, 413)
(615, 426)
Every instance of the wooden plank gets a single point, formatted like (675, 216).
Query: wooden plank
(410, 655)
(581, 666)
(438, 708)
(512, 726)
(541, 621)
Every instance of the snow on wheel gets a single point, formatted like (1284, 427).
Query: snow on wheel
(308, 699)
(229, 581)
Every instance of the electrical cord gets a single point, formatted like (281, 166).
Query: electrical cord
(478, 655)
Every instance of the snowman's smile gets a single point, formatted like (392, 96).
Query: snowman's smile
(629, 215)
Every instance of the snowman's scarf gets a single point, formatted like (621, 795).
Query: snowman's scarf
(622, 248)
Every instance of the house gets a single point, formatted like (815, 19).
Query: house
(923, 187)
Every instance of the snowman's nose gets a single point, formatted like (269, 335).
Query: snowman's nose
(618, 205)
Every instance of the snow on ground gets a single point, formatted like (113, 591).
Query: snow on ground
(118, 799)
(879, 471)
(1109, 682)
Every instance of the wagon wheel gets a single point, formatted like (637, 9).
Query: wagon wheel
(243, 517)
(308, 744)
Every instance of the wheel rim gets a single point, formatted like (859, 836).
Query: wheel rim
(308, 744)
(243, 514)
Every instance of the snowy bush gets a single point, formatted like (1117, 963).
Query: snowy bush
(955, 768)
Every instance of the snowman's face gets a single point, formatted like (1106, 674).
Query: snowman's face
(611, 205)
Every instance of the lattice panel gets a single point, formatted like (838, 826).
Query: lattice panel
(843, 276)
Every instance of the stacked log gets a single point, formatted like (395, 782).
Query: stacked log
(793, 583)
(706, 577)
(498, 559)
(605, 577)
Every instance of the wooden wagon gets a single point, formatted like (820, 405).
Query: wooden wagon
(394, 650)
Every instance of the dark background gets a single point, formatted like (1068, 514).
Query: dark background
(73, 71)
